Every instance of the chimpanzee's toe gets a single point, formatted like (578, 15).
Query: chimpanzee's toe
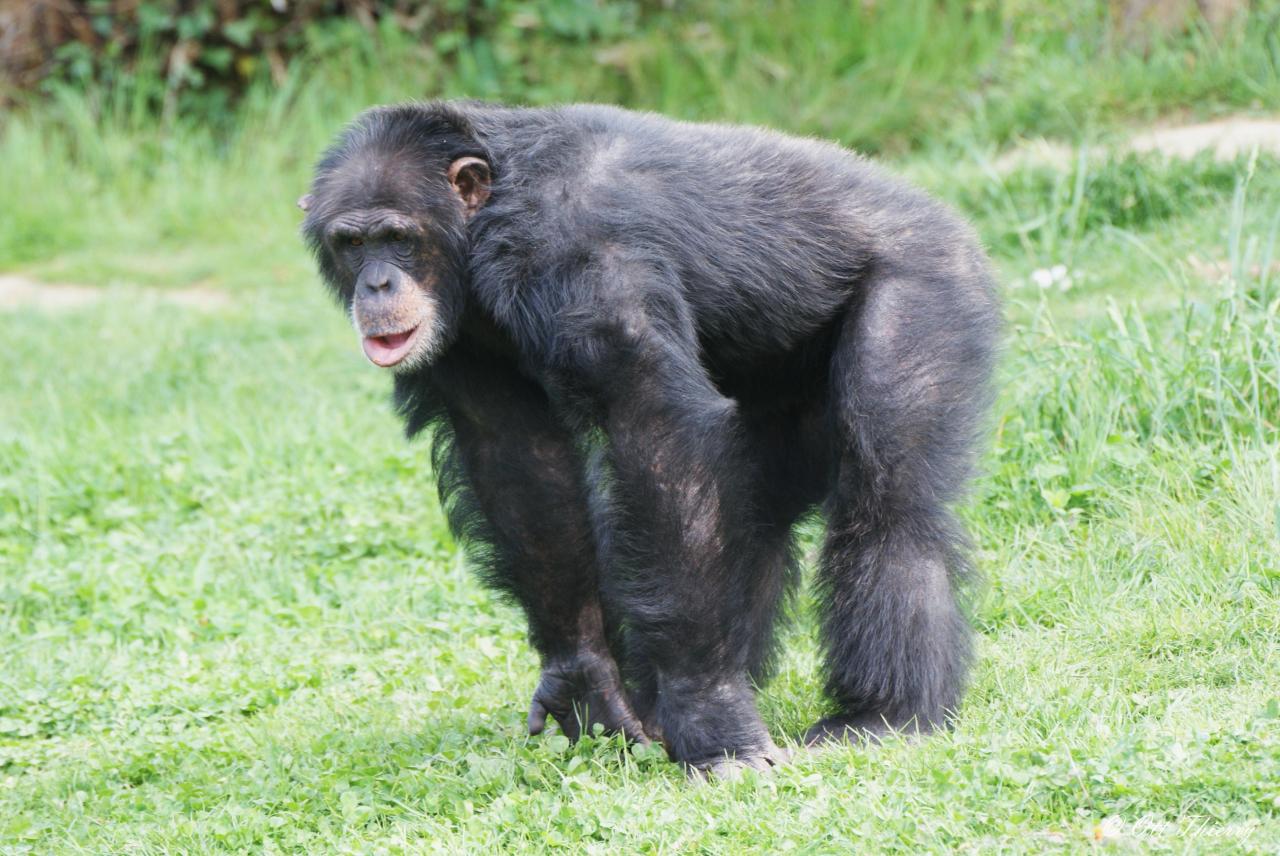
(731, 767)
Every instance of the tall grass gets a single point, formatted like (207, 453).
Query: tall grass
(1193, 380)
(86, 168)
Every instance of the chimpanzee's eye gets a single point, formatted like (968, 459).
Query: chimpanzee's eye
(396, 236)
(355, 242)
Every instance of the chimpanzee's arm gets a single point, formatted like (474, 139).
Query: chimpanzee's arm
(689, 567)
(513, 486)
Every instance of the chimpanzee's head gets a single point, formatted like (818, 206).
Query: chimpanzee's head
(386, 219)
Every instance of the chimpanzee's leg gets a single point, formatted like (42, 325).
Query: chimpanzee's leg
(514, 487)
(910, 376)
(792, 446)
(690, 569)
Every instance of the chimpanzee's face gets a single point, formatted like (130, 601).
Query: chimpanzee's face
(394, 288)
(390, 241)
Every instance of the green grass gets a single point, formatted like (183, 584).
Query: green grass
(232, 618)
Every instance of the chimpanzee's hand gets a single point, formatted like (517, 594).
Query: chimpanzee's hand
(581, 690)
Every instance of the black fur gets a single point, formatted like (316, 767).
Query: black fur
(672, 341)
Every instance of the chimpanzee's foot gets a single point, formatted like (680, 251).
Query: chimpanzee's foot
(713, 728)
(581, 691)
(729, 768)
(857, 728)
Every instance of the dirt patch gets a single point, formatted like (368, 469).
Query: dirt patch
(20, 292)
(1226, 138)
(1216, 270)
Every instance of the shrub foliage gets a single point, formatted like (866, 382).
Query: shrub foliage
(205, 52)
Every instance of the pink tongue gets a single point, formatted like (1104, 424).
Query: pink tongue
(387, 350)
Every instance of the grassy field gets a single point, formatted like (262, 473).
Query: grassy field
(232, 618)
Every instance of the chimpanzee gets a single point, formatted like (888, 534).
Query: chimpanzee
(646, 349)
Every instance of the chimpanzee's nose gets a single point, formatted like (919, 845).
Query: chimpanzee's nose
(377, 277)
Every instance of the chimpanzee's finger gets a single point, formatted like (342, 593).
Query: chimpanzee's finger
(537, 717)
(570, 726)
(622, 718)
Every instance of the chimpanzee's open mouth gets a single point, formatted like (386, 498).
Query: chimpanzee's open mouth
(390, 349)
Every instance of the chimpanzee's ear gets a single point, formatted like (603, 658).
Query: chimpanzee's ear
(469, 178)
(304, 202)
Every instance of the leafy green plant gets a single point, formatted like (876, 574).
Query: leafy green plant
(1038, 208)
